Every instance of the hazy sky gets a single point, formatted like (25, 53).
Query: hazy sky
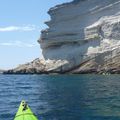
(20, 24)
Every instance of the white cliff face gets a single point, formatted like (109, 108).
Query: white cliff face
(80, 30)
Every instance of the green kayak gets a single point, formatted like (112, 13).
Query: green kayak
(24, 113)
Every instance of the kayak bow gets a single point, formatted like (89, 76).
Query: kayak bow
(24, 112)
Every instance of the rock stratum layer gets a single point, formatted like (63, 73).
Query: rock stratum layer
(83, 36)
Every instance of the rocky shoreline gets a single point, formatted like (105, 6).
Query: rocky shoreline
(90, 66)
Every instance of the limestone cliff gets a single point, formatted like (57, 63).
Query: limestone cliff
(82, 36)
(83, 30)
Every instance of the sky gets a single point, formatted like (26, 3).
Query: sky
(20, 24)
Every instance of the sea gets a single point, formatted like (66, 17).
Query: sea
(62, 97)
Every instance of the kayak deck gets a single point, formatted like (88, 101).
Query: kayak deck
(24, 112)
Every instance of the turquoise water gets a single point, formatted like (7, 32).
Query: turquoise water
(62, 97)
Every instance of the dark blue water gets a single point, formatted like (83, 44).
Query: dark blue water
(62, 97)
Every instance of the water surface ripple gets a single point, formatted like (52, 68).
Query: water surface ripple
(62, 97)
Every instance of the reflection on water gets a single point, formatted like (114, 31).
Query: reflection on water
(62, 97)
